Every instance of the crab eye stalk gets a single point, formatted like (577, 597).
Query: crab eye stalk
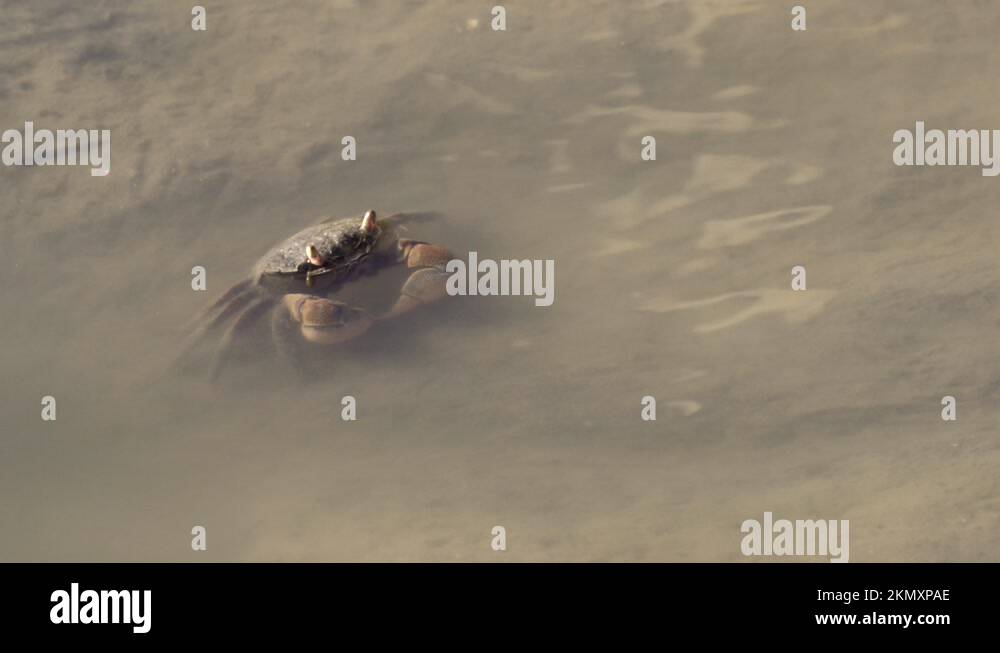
(313, 255)
(368, 224)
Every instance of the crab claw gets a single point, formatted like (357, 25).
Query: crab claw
(368, 222)
(427, 283)
(418, 254)
(325, 321)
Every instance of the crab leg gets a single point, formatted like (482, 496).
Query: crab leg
(235, 305)
(245, 321)
(226, 297)
(233, 302)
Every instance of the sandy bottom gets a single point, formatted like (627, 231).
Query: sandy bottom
(672, 280)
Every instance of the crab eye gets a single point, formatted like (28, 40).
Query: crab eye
(313, 255)
(368, 222)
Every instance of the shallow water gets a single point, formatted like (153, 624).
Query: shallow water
(672, 279)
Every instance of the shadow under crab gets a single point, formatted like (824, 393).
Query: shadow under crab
(316, 288)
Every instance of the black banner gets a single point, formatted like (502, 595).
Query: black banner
(147, 602)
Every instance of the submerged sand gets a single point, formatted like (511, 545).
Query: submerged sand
(773, 150)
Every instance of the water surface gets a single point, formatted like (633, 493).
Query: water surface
(672, 280)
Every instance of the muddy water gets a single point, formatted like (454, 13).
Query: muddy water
(672, 280)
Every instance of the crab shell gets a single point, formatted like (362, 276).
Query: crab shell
(330, 253)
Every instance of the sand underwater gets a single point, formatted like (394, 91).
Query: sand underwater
(672, 280)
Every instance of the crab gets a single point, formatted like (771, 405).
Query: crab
(300, 284)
